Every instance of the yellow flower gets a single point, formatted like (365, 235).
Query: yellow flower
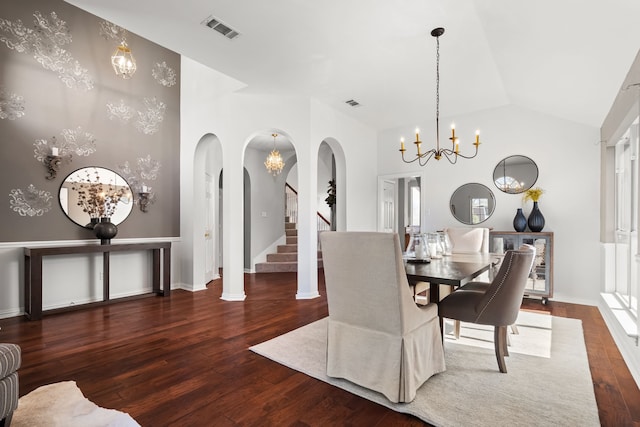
(533, 194)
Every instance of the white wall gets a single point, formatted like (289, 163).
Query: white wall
(235, 119)
(568, 158)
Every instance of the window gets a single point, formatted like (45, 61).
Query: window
(414, 209)
(479, 210)
(626, 233)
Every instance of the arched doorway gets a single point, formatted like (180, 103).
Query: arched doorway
(332, 165)
(207, 219)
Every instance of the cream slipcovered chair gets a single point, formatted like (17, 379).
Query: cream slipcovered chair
(496, 303)
(377, 337)
(10, 359)
(468, 239)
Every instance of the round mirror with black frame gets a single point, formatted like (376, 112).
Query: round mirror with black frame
(515, 174)
(472, 203)
(92, 193)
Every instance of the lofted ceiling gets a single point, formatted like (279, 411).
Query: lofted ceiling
(565, 58)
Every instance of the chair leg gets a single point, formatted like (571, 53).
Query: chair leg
(514, 329)
(506, 342)
(500, 343)
(456, 329)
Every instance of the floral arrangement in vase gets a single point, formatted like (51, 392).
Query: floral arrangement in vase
(536, 219)
(98, 199)
(533, 194)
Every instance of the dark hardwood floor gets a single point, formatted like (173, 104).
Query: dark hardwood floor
(183, 360)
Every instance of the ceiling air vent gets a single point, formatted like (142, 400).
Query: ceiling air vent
(223, 29)
(352, 103)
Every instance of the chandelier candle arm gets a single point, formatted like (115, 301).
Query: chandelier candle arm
(452, 153)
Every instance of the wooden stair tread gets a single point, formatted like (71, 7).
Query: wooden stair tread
(286, 257)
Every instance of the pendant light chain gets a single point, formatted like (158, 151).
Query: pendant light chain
(438, 92)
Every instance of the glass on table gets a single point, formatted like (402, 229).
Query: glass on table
(417, 247)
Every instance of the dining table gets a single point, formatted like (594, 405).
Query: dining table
(454, 270)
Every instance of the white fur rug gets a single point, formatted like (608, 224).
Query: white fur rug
(63, 404)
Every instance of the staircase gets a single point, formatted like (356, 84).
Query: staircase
(286, 257)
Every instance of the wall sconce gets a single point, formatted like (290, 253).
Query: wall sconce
(54, 160)
(145, 171)
(145, 197)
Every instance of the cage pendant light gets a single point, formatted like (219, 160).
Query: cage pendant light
(274, 162)
(123, 62)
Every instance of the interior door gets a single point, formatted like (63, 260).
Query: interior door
(220, 219)
(388, 209)
(209, 221)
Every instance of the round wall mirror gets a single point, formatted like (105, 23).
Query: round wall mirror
(472, 203)
(515, 174)
(91, 193)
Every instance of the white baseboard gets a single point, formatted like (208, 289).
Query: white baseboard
(233, 297)
(189, 287)
(307, 296)
(5, 314)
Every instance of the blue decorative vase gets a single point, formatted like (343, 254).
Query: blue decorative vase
(105, 231)
(536, 220)
(519, 221)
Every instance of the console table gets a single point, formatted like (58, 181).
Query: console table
(33, 269)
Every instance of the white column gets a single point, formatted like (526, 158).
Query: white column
(307, 153)
(232, 235)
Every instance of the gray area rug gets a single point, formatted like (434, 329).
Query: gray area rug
(63, 404)
(552, 389)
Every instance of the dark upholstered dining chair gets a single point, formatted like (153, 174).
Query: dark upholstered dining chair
(377, 337)
(496, 303)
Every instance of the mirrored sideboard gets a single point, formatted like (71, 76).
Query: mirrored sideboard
(540, 282)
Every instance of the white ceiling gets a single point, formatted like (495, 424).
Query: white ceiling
(566, 58)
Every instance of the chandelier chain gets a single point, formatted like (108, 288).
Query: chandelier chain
(438, 92)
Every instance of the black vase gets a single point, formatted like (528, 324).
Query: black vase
(536, 220)
(92, 224)
(105, 231)
(519, 221)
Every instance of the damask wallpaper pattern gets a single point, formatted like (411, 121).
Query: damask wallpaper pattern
(59, 95)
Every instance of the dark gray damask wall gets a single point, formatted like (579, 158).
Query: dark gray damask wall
(56, 80)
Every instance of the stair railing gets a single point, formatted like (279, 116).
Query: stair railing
(291, 209)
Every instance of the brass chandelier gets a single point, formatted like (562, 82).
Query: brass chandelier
(451, 154)
(274, 162)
